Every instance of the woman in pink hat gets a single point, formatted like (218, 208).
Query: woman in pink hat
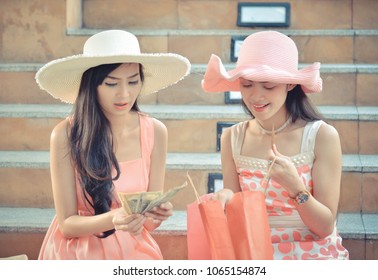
(107, 146)
(303, 157)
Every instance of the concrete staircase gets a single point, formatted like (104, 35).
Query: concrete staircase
(342, 35)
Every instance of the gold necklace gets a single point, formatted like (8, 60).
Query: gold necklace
(288, 121)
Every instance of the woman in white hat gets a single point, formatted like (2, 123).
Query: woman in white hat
(301, 162)
(107, 146)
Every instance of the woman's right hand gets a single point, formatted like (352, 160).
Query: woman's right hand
(131, 223)
(224, 196)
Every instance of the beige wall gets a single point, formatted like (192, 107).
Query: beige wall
(35, 30)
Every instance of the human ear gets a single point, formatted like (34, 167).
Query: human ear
(290, 87)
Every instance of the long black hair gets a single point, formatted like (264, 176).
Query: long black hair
(91, 142)
(298, 105)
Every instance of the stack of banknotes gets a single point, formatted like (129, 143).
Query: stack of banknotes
(142, 202)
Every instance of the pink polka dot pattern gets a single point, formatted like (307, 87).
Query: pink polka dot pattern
(293, 241)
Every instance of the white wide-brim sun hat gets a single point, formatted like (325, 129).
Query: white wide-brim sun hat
(62, 77)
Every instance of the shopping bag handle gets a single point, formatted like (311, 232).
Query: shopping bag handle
(194, 188)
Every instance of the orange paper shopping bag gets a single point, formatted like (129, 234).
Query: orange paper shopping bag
(197, 243)
(216, 227)
(241, 233)
(249, 227)
(208, 237)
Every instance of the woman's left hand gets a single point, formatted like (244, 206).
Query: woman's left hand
(160, 213)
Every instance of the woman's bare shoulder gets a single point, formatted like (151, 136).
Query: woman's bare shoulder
(159, 127)
(327, 132)
(327, 140)
(59, 134)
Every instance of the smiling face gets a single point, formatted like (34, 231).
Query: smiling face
(264, 99)
(120, 89)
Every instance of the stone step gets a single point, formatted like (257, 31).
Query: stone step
(35, 45)
(26, 179)
(344, 84)
(191, 128)
(182, 18)
(342, 46)
(326, 46)
(22, 231)
(193, 14)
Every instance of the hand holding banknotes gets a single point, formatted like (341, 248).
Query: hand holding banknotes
(137, 207)
(134, 223)
(160, 213)
(131, 223)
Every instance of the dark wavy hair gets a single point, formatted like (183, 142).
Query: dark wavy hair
(91, 142)
(298, 105)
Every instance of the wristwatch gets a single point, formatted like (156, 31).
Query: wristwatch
(302, 197)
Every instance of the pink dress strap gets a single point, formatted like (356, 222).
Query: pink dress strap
(146, 138)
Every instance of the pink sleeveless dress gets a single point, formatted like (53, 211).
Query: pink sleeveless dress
(120, 245)
(291, 238)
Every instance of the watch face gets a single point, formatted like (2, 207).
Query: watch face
(302, 198)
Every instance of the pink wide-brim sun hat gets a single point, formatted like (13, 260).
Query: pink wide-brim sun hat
(266, 56)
